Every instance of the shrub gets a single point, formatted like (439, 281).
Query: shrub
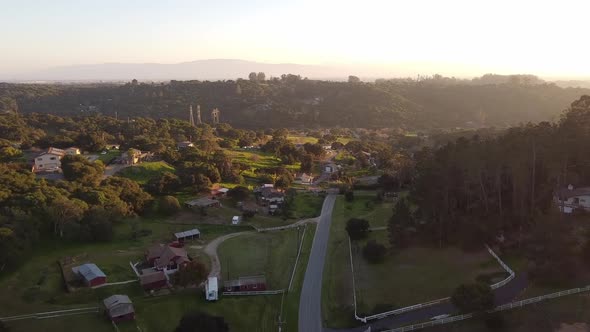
(473, 297)
(357, 228)
(169, 205)
(349, 196)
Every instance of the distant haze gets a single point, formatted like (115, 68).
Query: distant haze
(372, 38)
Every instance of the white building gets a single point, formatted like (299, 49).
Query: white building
(211, 289)
(235, 220)
(51, 160)
(570, 199)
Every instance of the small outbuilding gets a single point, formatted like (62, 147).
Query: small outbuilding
(90, 274)
(211, 289)
(119, 308)
(203, 202)
(187, 235)
(152, 281)
(246, 284)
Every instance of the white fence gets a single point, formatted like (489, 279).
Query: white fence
(503, 307)
(425, 304)
(268, 292)
(511, 273)
(51, 314)
(297, 258)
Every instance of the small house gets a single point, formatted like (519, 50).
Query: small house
(272, 195)
(72, 151)
(211, 289)
(152, 281)
(235, 220)
(219, 192)
(187, 235)
(304, 178)
(203, 202)
(246, 284)
(171, 259)
(119, 308)
(49, 161)
(571, 199)
(90, 274)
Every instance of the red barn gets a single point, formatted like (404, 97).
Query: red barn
(119, 308)
(246, 284)
(90, 274)
(155, 280)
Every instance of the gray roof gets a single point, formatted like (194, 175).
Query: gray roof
(202, 202)
(89, 271)
(189, 233)
(118, 305)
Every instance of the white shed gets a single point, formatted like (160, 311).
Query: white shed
(211, 289)
(235, 220)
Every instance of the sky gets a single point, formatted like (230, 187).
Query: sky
(452, 37)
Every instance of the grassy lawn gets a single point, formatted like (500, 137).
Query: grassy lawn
(337, 307)
(255, 160)
(144, 172)
(109, 156)
(410, 277)
(270, 254)
(291, 302)
(415, 275)
(306, 205)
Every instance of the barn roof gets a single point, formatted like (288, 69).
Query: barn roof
(149, 278)
(177, 255)
(251, 280)
(118, 305)
(89, 271)
(189, 233)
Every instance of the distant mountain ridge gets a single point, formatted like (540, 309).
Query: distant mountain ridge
(212, 69)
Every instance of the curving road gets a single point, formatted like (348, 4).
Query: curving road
(310, 304)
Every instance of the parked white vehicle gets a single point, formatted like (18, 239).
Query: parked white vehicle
(235, 220)
(211, 289)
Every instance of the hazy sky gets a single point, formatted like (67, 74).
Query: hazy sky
(452, 37)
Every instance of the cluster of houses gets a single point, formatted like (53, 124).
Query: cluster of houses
(270, 196)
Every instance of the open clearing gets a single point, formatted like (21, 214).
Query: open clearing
(412, 276)
(415, 275)
(269, 254)
(146, 171)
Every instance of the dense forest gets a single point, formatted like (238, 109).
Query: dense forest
(292, 101)
(501, 189)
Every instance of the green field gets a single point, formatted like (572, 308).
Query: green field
(269, 254)
(297, 139)
(256, 160)
(412, 276)
(415, 275)
(109, 156)
(146, 171)
(306, 205)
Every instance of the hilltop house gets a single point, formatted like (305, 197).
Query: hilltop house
(571, 199)
(51, 159)
(119, 308)
(271, 195)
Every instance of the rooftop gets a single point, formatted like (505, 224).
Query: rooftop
(188, 233)
(88, 271)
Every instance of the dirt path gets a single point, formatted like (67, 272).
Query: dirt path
(211, 247)
(211, 251)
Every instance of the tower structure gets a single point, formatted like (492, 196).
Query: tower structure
(199, 114)
(215, 116)
(191, 119)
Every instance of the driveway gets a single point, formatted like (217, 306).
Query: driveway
(110, 170)
(310, 305)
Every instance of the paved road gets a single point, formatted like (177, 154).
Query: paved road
(310, 305)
